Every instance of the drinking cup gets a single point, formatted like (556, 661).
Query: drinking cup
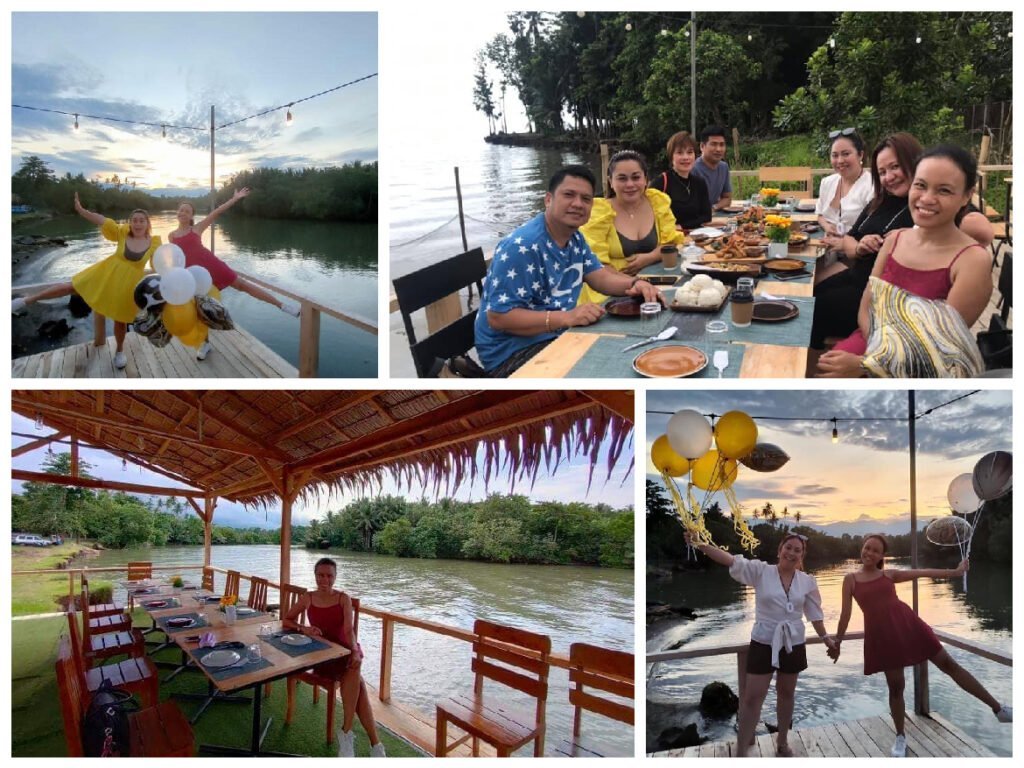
(650, 313)
(669, 256)
(742, 303)
(253, 653)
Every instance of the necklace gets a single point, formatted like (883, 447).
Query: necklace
(632, 214)
(898, 214)
(684, 182)
(789, 603)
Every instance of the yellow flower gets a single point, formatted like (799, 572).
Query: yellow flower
(770, 192)
(228, 600)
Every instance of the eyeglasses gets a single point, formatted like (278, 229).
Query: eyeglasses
(844, 132)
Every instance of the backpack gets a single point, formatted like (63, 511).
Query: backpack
(106, 729)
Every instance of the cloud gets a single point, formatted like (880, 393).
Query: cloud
(814, 490)
(309, 133)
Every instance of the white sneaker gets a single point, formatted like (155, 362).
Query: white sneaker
(18, 304)
(203, 350)
(899, 747)
(290, 308)
(377, 750)
(1005, 714)
(346, 743)
(120, 361)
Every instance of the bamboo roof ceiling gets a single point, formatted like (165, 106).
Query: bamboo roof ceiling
(255, 446)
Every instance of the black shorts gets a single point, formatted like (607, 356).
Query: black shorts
(759, 659)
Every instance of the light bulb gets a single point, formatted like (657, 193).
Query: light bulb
(832, 42)
(163, 129)
(664, 33)
(918, 39)
(288, 117)
(39, 421)
(629, 27)
(749, 37)
(835, 435)
(581, 14)
(76, 123)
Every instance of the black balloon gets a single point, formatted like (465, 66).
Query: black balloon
(765, 458)
(147, 292)
(213, 314)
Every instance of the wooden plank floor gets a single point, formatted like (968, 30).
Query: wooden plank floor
(235, 354)
(931, 736)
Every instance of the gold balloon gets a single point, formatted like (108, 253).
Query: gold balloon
(666, 460)
(735, 434)
(180, 319)
(195, 337)
(714, 472)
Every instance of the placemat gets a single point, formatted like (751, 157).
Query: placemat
(241, 668)
(294, 650)
(605, 358)
(200, 621)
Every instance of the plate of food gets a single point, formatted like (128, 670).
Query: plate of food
(733, 249)
(180, 622)
(785, 265)
(220, 659)
(805, 205)
(624, 306)
(701, 294)
(774, 310)
(725, 271)
(156, 604)
(798, 238)
(671, 361)
(296, 639)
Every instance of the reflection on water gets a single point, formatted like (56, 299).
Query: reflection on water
(826, 692)
(335, 264)
(569, 604)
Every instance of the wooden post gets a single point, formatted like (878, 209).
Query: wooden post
(735, 146)
(309, 341)
(213, 188)
(462, 220)
(285, 575)
(208, 506)
(986, 147)
(99, 329)
(605, 155)
(74, 457)
(387, 642)
(921, 670)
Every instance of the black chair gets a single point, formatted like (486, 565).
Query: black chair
(422, 288)
(996, 344)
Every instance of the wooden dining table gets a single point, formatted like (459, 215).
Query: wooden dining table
(760, 360)
(246, 630)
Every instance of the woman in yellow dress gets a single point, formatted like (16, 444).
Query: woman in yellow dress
(627, 228)
(108, 286)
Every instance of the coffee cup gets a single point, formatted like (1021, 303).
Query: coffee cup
(669, 256)
(742, 302)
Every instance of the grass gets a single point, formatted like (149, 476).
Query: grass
(39, 593)
(37, 729)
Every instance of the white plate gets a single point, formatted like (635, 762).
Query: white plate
(245, 611)
(218, 659)
(709, 231)
(295, 640)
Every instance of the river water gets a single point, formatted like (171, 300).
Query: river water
(333, 263)
(830, 693)
(569, 604)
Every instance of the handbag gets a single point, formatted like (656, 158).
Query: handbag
(106, 727)
(996, 345)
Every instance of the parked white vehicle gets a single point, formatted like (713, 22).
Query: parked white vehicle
(31, 540)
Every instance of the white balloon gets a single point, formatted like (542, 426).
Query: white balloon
(961, 495)
(167, 257)
(177, 286)
(689, 434)
(204, 282)
(993, 475)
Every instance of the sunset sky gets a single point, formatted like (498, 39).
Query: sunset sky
(170, 68)
(865, 477)
(569, 484)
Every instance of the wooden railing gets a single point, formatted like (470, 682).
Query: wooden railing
(921, 671)
(309, 321)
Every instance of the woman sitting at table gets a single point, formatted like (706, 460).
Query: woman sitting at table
(329, 613)
(689, 192)
(627, 228)
(839, 296)
(843, 194)
(934, 260)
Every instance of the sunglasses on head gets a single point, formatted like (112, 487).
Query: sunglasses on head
(795, 536)
(843, 132)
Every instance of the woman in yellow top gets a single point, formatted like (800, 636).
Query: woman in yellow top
(627, 229)
(108, 286)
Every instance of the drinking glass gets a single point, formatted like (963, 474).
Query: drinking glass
(266, 630)
(650, 313)
(253, 653)
(745, 282)
(716, 344)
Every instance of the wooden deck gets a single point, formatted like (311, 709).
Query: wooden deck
(931, 736)
(235, 354)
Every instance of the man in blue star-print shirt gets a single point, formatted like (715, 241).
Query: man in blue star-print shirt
(537, 274)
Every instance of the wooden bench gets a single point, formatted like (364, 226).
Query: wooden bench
(600, 669)
(158, 731)
(525, 659)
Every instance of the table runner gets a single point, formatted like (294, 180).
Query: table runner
(605, 358)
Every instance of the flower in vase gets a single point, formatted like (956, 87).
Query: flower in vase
(776, 228)
(770, 196)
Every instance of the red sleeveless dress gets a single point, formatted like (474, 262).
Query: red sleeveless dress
(198, 255)
(330, 621)
(894, 636)
(926, 283)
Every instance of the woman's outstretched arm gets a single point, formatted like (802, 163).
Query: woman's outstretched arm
(720, 556)
(931, 573)
(95, 218)
(845, 613)
(212, 216)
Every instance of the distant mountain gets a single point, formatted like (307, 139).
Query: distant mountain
(864, 525)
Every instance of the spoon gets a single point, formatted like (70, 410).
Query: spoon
(668, 333)
(720, 360)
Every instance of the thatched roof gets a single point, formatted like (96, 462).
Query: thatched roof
(255, 446)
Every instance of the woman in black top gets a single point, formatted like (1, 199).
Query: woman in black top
(690, 203)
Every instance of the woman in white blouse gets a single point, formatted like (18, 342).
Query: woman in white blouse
(845, 193)
(784, 594)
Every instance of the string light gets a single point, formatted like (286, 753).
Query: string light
(918, 38)
(835, 431)
(832, 43)
(39, 421)
(750, 37)
(76, 123)
(124, 464)
(163, 129)
(686, 32)
(664, 33)
(288, 117)
(629, 27)
(581, 14)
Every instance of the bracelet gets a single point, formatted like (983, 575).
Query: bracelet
(547, 320)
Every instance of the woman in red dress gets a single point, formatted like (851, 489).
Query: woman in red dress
(329, 613)
(895, 637)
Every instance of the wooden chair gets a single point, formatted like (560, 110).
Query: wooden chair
(207, 584)
(136, 674)
(257, 593)
(115, 622)
(100, 609)
(231, 586)
(525, 659)
(138, 571)
(290, 595)
(157, 731)
(436, 289)
(318, 681)
(603, 670)
(105, 645)
(798, 180)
